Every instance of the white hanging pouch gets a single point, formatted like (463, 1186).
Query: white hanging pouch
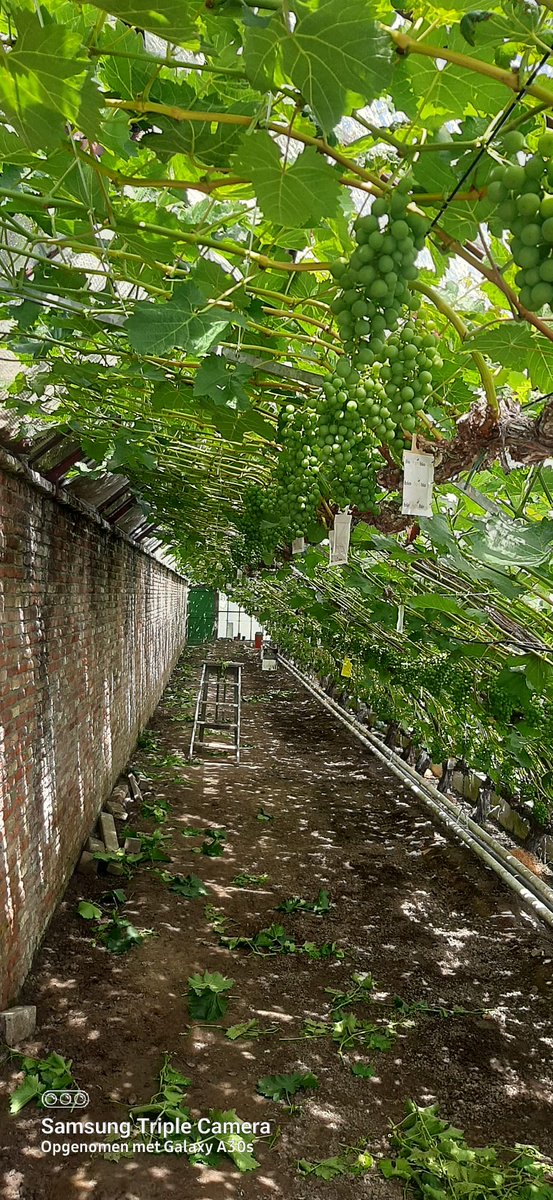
(418, 482)
(339, 539)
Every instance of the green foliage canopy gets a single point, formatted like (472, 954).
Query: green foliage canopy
(183, 192)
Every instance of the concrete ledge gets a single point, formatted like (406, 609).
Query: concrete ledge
(17, 1024)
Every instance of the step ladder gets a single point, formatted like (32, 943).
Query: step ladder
(218, 708)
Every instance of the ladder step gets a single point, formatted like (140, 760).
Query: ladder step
(220, 749)
(217, 725)
(232, 717)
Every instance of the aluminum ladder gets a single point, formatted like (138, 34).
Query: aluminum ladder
(218, 708)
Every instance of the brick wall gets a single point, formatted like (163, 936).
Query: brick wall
(90, 629)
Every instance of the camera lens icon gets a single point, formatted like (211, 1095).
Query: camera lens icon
(65, 1098)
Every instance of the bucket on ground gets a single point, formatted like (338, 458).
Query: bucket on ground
(268, 659)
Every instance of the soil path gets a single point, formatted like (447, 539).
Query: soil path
(408, 905)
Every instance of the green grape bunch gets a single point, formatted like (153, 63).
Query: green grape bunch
(298, 487)
(500, 704)
(348, 462)
(406, 373)
(330, 446)
(375, 282)
(386, 399)
(325, 454)
(355, 397)
(442, 674)
(257, 527)
(520, 200)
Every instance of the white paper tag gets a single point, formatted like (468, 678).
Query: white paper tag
(339, 540)
(298, 545)
(418, 482)
(400, 618)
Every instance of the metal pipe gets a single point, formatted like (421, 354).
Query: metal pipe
(531, 890)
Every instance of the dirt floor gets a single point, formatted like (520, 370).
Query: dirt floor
(408, 904)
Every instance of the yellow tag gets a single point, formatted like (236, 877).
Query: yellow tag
(347, 668)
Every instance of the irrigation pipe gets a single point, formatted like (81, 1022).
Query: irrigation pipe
(530, 889)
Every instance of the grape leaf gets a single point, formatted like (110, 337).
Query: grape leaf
(443, 92)
(297, 904)
(434, 600)
(539, 673)
(26, 1091)
(209, 279)
(189, 886)
(156, 328)
(222, 382)
(362, 1070)
(201, 140)
(333, 49)
(90, 912)
(11, 149)
(243, 1029)
(503, 543)
(125, 77)
(460, 219)
(438, 172)
(253, 422)
(119, 936)
(42, 80)
(281, 1087)
(242, 1159)
(540, 363)
(210, 849)
(351, 1162)
(468, 24)
(326, 1168)
(400, 1169)
(295, 196)
(173, 20)
(507, 343)
(205, 999)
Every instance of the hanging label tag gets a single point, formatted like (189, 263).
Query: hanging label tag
(339, 540)
(418, 482)
(400, 617)
(298, 545)
(347, 668)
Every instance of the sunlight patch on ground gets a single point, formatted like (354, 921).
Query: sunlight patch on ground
(416, 909)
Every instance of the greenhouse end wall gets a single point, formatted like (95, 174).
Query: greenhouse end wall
(90, 630)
